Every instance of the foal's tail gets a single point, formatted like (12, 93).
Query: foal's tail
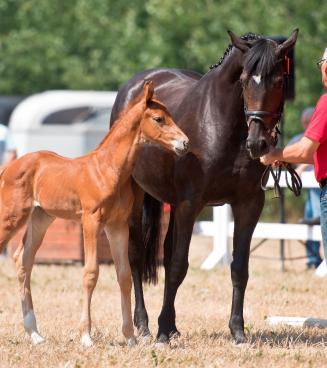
(151, 220)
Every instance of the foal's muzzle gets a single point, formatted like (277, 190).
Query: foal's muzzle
(180, 147)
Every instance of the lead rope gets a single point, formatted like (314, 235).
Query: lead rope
(295, 185)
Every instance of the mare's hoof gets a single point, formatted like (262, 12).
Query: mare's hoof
(36, 338)
(86, 341)
(162, 342)
(239, 338)
(144, 332)
(162, 339)
(144, 339)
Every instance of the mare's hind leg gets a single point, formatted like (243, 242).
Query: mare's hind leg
(136, 260)
(246, 214)
(37, 226)
(118, 239)
(90, 276)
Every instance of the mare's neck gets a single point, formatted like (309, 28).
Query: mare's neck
(222, 84)
(225, 77)
(118, 149)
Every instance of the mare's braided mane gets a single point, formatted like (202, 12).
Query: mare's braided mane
(247, 37)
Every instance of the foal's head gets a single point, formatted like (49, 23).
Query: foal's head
(263, 83)
(158, 126)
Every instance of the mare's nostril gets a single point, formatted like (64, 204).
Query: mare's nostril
(263, 145)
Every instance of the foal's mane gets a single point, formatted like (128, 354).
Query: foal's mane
(121, 116)
(125, 111)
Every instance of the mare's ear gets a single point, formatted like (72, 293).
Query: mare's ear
(242, 45)
(288, 44)
(148, 90)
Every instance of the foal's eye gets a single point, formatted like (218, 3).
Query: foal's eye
(158, 119)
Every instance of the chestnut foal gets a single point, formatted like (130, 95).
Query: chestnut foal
(95, 189)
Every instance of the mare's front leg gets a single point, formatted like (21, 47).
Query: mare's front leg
(90, 275)
(24, 256)
(176, 248)
(118, 234)
(246, 215)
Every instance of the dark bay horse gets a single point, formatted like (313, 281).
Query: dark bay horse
(229, 115)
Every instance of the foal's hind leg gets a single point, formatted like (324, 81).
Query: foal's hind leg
(90, 277)
(37, 226)
(118, 239)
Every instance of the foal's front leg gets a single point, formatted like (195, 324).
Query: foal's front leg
(118, 239)
(90, 276)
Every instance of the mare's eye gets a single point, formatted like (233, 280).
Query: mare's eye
(158, 119)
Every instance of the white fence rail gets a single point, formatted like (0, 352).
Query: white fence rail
(222, 227)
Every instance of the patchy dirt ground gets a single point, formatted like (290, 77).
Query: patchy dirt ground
(203, 307)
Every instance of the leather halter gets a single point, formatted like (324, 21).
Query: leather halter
(259, 115)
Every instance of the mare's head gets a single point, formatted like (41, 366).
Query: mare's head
(158, 126)
(263, 83)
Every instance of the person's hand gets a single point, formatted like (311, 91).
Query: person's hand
(270, 158)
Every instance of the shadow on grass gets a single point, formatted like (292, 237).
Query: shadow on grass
(289, 337)
(286, 337)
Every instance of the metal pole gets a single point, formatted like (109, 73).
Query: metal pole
(282, 216)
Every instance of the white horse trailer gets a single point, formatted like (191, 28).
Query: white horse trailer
(70, 123)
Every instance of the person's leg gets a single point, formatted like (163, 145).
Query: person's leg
(314, 195)
(312, 211)
(323, 218)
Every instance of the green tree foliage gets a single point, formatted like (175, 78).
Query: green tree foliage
(99, 44)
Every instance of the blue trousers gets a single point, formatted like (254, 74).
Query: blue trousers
(312, 210)
(323, 217)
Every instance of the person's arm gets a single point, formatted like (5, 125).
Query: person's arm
(302, 167)
(299, 152)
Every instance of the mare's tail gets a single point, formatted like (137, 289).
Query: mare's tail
(151, 221)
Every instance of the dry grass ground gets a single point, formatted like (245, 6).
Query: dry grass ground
(203, 307)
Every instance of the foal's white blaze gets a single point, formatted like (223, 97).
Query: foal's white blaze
(36, 204)
(86, 340)
(257, 78)
(31, 329)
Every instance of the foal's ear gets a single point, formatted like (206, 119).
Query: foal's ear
(242, 45)
(148, 90)
(288, 44)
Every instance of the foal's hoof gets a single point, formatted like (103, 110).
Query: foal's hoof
(131, 341)
(36, 338)
(86, 341)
